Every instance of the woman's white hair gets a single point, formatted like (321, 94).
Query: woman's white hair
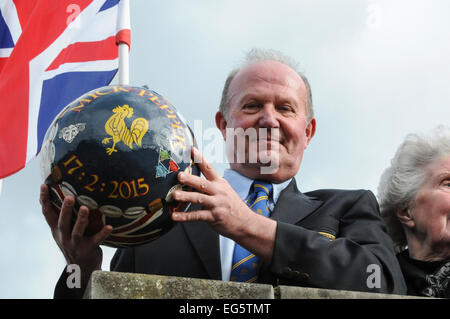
(258, 55)
(401, 181)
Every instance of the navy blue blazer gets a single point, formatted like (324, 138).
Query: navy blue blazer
(326, 238)
(333, 239)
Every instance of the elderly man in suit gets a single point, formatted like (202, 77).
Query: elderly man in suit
(253, 224)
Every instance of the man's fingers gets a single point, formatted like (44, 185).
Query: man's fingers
(48, 210)
(198, 215)
(192, 197)
(203, 185)
(80, 224)
(207, 169)
(100, 237)
(199, 183)
(65, 217)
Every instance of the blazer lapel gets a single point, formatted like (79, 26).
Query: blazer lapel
(206, 244)
(293, 206)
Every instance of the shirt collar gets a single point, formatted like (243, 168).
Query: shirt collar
(278, 188)
(242, 184)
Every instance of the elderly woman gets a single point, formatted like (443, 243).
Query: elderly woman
(414, 195)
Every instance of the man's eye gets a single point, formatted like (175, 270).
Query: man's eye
(250, 106)
(285, 108)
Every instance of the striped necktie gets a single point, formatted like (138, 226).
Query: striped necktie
(245, 265)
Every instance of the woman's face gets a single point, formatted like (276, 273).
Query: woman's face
(430, 215)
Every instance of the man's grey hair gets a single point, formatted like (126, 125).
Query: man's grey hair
(259, 55)
(400, 183)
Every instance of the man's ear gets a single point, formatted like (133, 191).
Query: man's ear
(310, 130)
(221, 124)
(406, 218)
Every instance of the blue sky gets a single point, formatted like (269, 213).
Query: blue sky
(378, 70)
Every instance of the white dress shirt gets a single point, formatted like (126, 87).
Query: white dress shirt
(241, 186)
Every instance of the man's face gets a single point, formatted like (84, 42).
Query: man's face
(268, 95)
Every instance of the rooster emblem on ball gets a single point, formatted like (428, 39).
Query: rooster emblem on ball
(116, 127)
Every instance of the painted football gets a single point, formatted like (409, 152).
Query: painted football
(117, 150)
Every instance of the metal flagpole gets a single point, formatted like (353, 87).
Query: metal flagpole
(124, 50)
(124, 64)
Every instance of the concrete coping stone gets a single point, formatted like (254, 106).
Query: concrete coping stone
(119, 285)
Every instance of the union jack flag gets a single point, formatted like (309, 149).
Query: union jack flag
(51, 52)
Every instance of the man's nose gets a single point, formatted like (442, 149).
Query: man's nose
(268, 117)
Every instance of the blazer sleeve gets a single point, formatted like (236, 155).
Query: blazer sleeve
(62, 290)
(360, 258)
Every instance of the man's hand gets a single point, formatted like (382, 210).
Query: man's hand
(224, 211)
(76, 247)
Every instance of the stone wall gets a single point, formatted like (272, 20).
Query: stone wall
(116, 285)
